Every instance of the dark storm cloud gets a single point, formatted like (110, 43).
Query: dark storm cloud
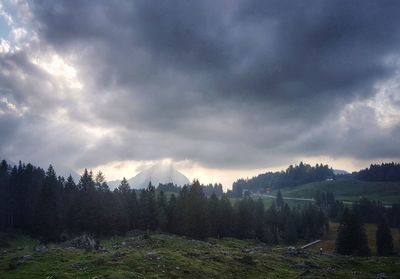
(224, 83)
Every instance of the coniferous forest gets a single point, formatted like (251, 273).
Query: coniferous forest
(49, 207)
(44, 205)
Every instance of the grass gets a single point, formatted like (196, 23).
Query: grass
(348, 190)
(168, 256)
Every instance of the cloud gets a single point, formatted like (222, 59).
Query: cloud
(228, 85)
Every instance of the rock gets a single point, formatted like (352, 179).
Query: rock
(291, 251)
(77, 266)
(15, 262)
(146, 236)
(301, 266)
(26, 258)
(382, 276)
(104, 250)
(116, 246)
(246, 259)
(83, 242)
(152, 254)
(306, 272)
(40, 249)
(117, 255)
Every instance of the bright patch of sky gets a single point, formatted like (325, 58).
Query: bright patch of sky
(5, 22)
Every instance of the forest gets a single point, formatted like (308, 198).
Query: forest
(46, 206)
(304, 173)
(382, 172)
(292, 176)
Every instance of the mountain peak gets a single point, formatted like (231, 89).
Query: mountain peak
(159, 173)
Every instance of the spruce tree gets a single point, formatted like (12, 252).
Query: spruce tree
(46, 215)
(162, 204)
(213, 215)
(172, 215)
(384, 240)
(351, 237)
(279, 200)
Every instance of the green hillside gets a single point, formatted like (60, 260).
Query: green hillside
(168, 256)
(348, 190)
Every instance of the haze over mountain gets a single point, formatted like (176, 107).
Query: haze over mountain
(159, 173)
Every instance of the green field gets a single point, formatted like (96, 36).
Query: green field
(348, 190)
(166, 256)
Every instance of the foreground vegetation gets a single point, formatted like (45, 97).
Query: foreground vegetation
(169, 256)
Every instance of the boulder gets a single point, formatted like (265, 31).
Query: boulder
(40, 249)
(83, 242)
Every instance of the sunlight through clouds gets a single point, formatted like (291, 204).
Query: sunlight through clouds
(58, 67)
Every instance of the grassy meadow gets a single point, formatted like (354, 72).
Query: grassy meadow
(348, 190)
(169, 256)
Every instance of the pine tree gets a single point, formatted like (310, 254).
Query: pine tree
(271, 217)
(88, 204)
(384, 240)
(100, 182)
(213, 215)
(4, 180)
(70, 204)
(351, 237)
(259, 220)
(195, 208)
(124, 187)
(123, 200)
(162, 203)
(172, 215)
(148, 208)
(279, 200)
(227, 217)
(245, 218)
(46, 223)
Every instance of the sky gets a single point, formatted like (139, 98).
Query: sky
(221, 89)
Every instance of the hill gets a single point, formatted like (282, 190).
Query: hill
(292, 176)
(169, 256)
(348, 190)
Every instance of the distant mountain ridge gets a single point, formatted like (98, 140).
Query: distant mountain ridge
(160, 173)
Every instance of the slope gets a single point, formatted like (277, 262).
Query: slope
(348, 190)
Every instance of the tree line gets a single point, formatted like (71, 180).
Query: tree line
(45, 205)
(368, 211)
(292, 176)
(208, 189)
(352, 238)
(305, 173)
(382, 172)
